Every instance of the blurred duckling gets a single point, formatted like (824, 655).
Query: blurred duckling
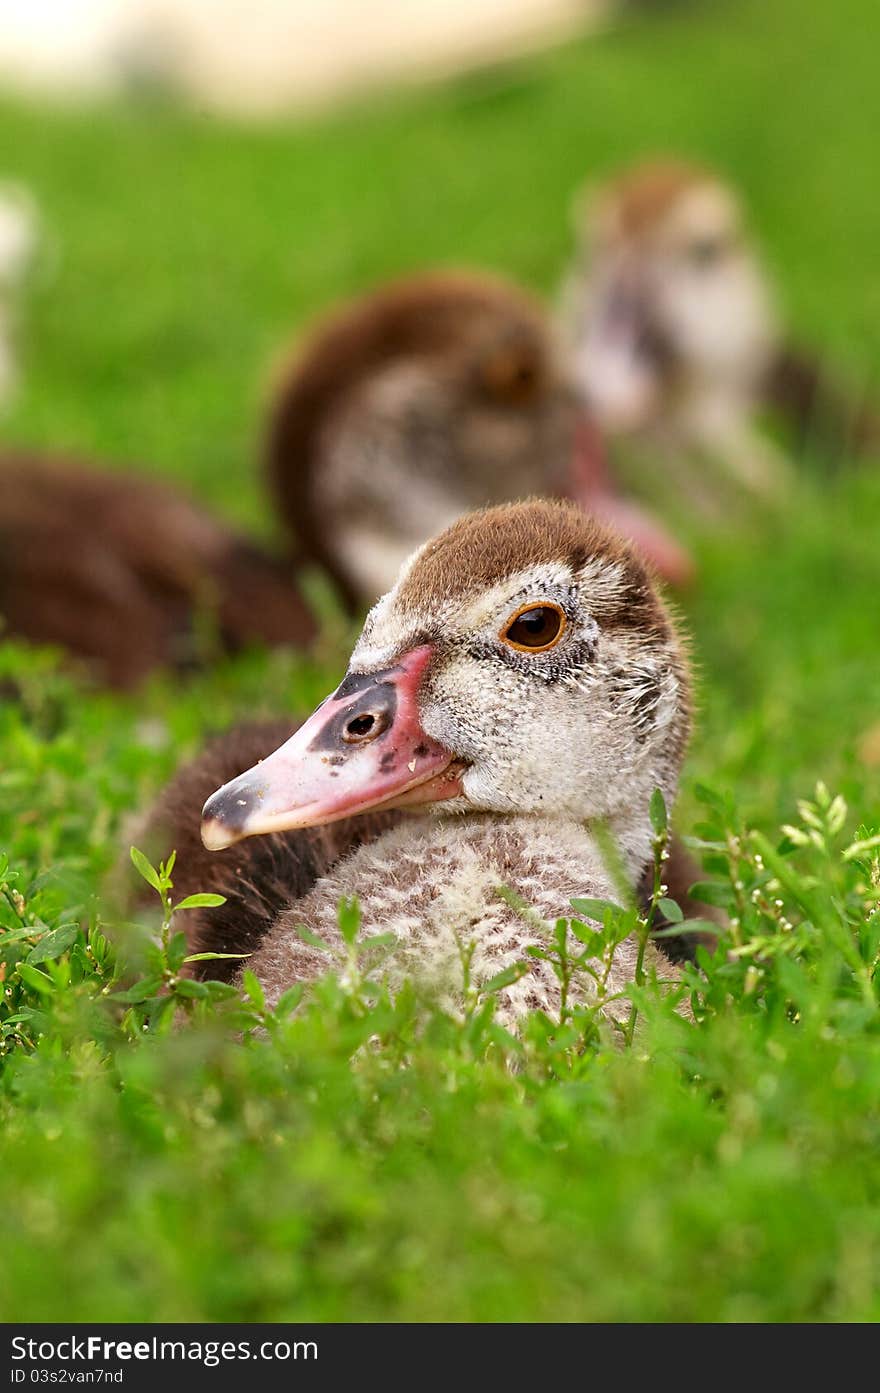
(121, 571)
(415, 403)
(675, 335)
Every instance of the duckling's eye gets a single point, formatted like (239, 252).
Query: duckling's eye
(534, 628)
(705, 252)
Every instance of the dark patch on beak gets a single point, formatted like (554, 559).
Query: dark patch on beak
(369, 717)
(355, 682)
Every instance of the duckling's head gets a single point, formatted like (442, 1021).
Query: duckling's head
(523, 663)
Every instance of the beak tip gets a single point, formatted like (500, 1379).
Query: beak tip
(216, 836)
(225, 816)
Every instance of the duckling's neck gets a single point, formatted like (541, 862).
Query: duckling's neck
(627, 838)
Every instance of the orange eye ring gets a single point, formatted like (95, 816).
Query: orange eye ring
(543, 632)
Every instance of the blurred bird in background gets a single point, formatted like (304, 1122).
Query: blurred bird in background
(129, 574)
(430, 396)
(677, 340)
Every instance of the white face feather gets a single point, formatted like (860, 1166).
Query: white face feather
(585, 729)
(718, 314)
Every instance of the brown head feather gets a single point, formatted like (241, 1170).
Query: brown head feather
(485, 546)
(642, 196)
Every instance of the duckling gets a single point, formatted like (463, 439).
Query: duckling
(116, 569)
(676, 338)
(520, 682)
(411, 405)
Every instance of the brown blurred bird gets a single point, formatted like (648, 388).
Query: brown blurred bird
(411, 405)
(675, 337)
(120, 571)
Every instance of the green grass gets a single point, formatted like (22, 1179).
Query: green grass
(722, 1170)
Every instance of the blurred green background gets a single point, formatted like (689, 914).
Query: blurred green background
(182, 253)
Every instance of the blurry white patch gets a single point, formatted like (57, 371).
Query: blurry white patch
(372, 558)
(703, 211)
(18, 234)
(720, 319)
(18, 241)
(617, 384)
(256, 57)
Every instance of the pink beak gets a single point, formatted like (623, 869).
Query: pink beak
(593, 488)
(363, 748)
